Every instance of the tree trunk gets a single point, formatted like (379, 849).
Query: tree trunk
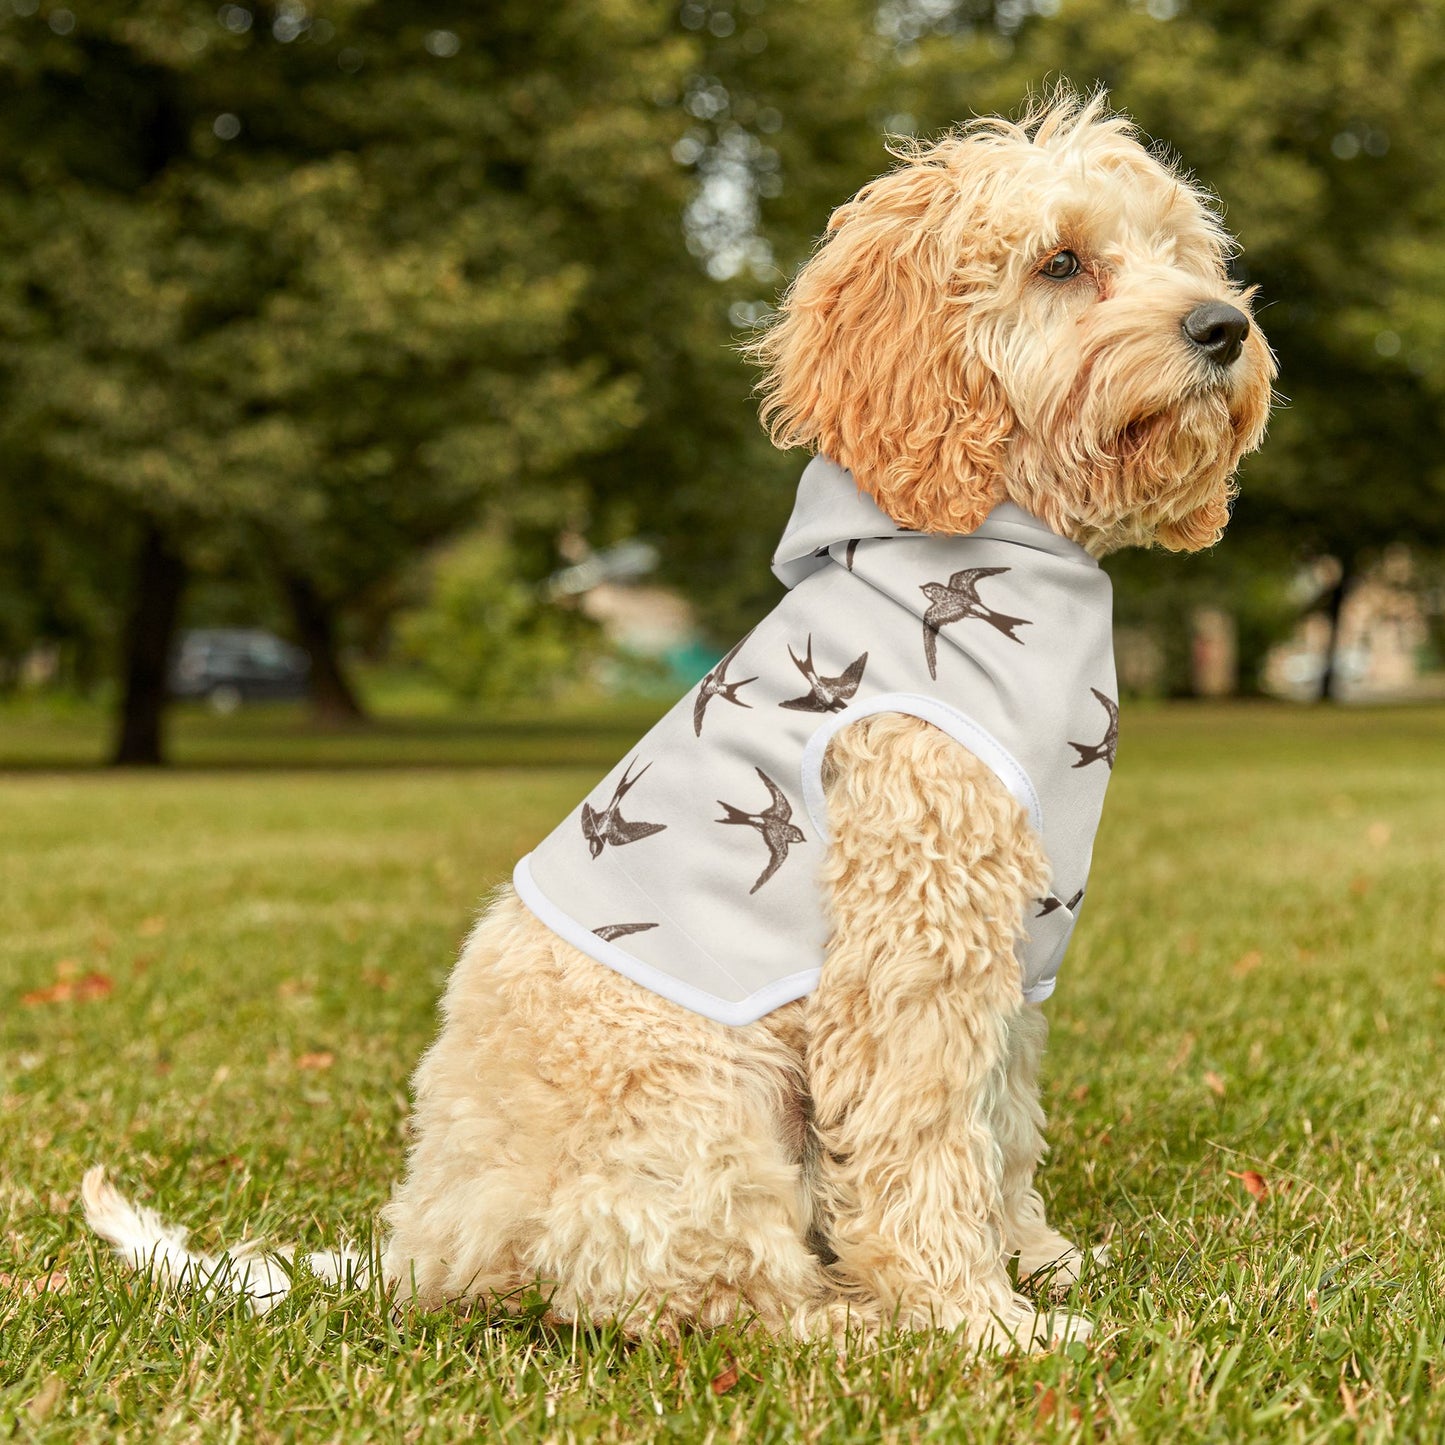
(333, 699)
(160, 578)
(1329, 676)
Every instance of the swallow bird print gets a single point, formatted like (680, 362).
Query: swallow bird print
(609, 826)
(1104, 750)
(1052, 903)
(715, 684)
(825, 694)
(774, 824)
(610, 931)
(957, 600)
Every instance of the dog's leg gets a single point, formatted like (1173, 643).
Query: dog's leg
(930, 868)
(485, 1130)
(1019, 1127)
(681, 1200)
(577, 1134)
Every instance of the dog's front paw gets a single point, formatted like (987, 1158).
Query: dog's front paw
(1058, 1269)
(1059, 1328)
(1023, 1326)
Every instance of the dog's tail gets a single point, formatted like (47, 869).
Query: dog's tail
(147, 1243)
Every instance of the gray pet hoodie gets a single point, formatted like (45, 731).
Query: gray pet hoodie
(692, 867)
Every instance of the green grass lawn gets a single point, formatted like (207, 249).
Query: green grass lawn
(252, 958)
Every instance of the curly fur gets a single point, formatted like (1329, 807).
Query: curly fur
(864, 1156)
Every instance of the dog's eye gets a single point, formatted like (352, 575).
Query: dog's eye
(1060, 266)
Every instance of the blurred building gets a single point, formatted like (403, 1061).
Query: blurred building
(1382, 652)
(646, 623)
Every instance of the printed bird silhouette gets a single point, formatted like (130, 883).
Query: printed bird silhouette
(610, 931)
(775, 824)
(1051, 903)
(957, 600)
(826, 694)
(1105, 749)
(609, 826)
(715, 684)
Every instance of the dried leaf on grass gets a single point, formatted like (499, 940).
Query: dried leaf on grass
(321, 1059)
(33, 1286)
(725, 1379)
(1046, 1407)
(1181, 1054)
(1214, 1083)
(1255, 1184)
(73, 989)
(1246, 963)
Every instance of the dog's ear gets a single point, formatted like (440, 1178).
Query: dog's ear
(874, 359)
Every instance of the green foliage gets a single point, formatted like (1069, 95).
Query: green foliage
(780, 116)
(485, 633)
(1250, 988)
(308, 292)
(61, 569)
(324, 286)
(318, 288)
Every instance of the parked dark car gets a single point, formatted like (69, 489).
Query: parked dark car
(230, 665)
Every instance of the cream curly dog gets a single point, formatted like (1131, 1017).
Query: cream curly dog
(1035, 313)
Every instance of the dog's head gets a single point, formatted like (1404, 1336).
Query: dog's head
(1037, 311)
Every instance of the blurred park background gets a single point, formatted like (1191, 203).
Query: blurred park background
(405, 336)
(379, 360)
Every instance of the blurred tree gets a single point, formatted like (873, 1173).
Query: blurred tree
(58, 570)
(783, 108)
(1161, 597)
(304, 283)
(328, 284)
(484, 632)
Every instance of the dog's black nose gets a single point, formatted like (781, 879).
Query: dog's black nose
(1218, 330)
